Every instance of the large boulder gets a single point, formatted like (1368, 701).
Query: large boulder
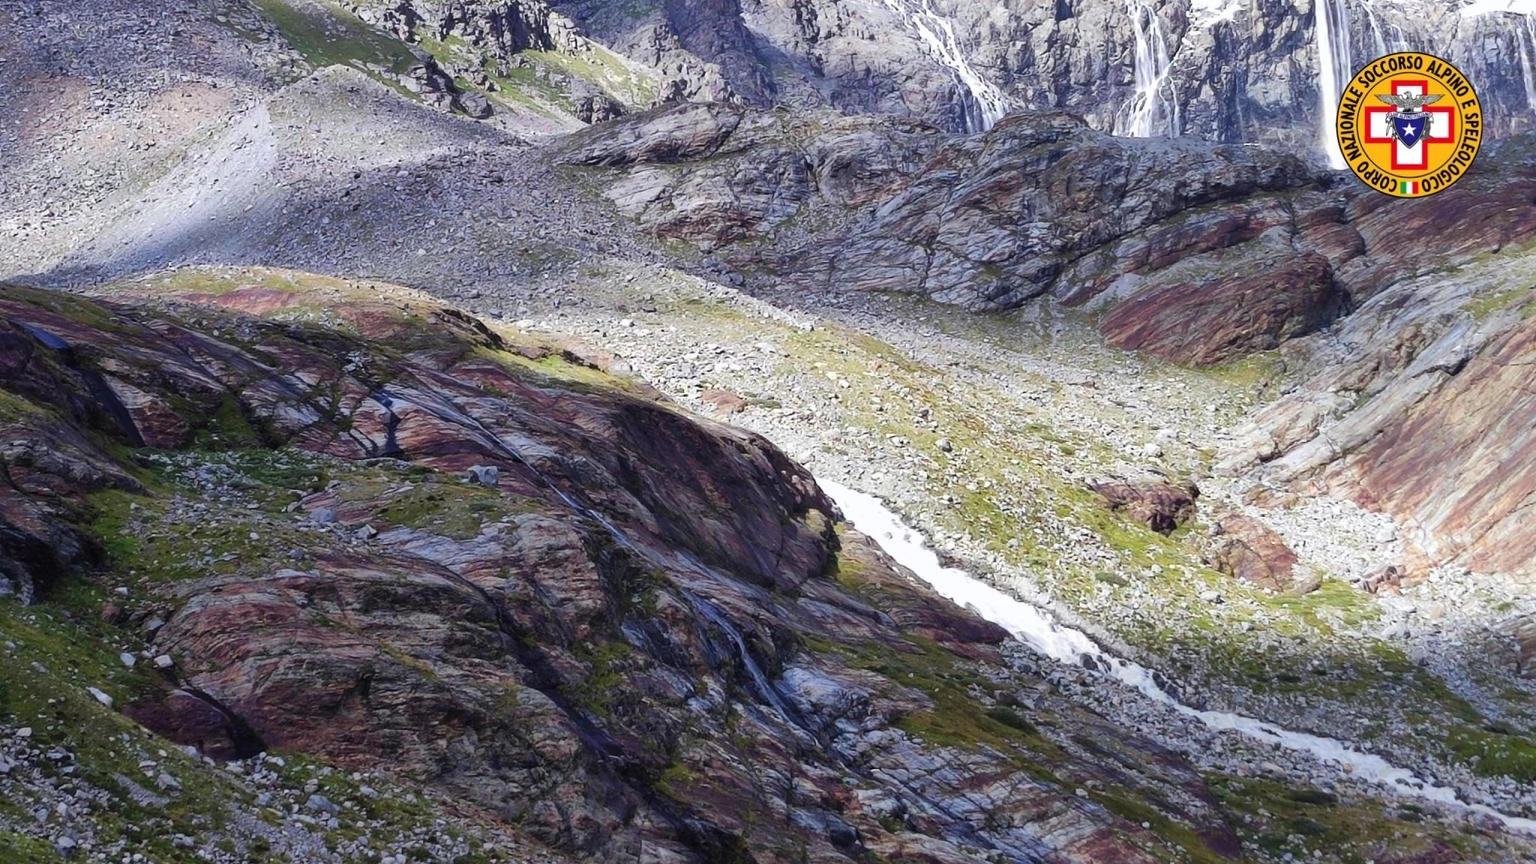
(1162, 507)
(1227, 316)
(1250, 551)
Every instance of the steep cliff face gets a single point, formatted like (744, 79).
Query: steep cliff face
(1266, 72)
(1229, 71)
(1419, 405)
(369, 529)
(1195, 252)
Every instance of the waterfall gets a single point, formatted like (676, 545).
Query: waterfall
(1527, 39)
(765, 689)
(1525, 35)
(1378, 36)
(1038, 629)
(986, 103)
(1152, 110)
(1330, 21)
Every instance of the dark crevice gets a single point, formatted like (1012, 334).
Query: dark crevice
(243, 740)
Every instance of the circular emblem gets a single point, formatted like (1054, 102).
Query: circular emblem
(1409, 124)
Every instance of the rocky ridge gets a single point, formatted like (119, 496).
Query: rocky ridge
(1242, 247)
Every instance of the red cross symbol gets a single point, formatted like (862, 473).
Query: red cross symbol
(1415, 158)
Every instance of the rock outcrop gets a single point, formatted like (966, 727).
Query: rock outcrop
(1432, 427)
(1194, 252)
(400, 540)
(1248, 550)
(715, 175)
(1163, 507)
(1222, 71)
(1418, 402)
(1232, 71)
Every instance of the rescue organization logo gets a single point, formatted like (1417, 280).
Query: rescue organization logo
(1409, 125)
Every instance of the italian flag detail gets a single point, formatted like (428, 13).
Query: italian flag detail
(1408, 187)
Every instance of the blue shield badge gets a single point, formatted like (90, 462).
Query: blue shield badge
(1409, 128)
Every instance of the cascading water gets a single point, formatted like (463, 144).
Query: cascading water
(1381, 43)
(1331, 35)
(1036, 628)
(986, 104)
(1528, 60)
(764, 687)
(1152, 110)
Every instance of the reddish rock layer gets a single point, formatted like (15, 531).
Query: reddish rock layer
(1159, 506)
(1459, 467)
(1248, 550)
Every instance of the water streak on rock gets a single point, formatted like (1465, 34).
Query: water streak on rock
(1153, 110)
(986, 104)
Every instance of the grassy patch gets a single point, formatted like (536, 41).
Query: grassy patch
(20, 849)
(227, 428)
(220, 281)
(1282, 819)
(1495, 302)
(606, 661)
(328, 36)
(1139, 813)
(150, 539)
(1253, 373)
(605, 70)
(555, 369)
(960, 716)
(13, 407)
(64, 305)
(1494, 753)
(61, 647)
(448, 509)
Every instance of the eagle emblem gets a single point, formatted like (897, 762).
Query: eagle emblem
(1408, 124)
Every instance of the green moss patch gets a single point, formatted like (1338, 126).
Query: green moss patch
(1280, 819)
(328, 36)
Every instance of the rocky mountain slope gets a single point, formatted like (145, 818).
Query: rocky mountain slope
(1227, 71)
(1324, 578)
(368, 529)
(1193, 253)
(1244, 246)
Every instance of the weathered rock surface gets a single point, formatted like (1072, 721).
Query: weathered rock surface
(1159, 506)
(1245, 548)
(1197, 253)
(1231, 71)
(1227, 316)
(1418, 402)
(634, 639)
(758, 170)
